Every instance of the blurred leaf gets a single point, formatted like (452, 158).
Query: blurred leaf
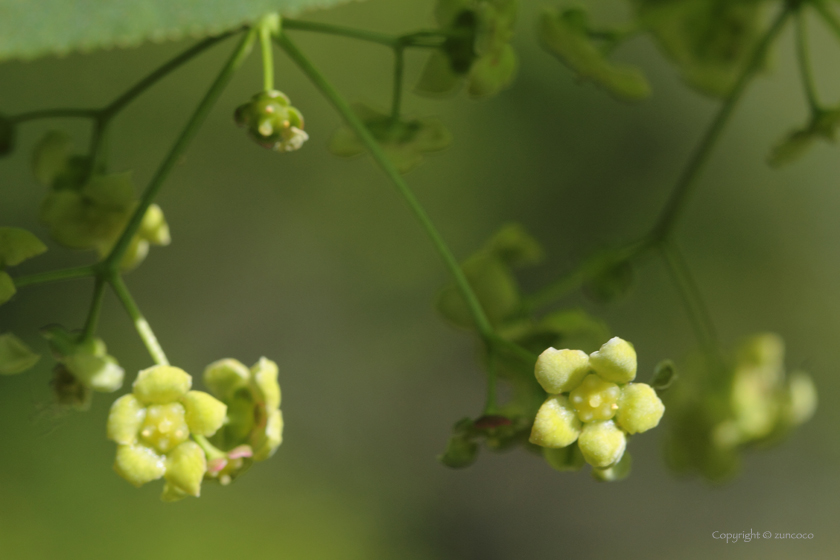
(710, 40)
(438, 77)
(41, 27)
(50, 157)
(404, 141)
(610, 283)
(566, 35)
(494, 286)
(461, 452)
(663, 376)
(619, 471)
(515, 246)
(18, 245)
(823, 126)
(7, 287)
(575, 329)
(15, 356)
(492, 72)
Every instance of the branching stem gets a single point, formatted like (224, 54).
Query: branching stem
(140, 324)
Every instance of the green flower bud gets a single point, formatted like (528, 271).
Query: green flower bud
(100, 373)
(264, 375)
(560, 371)
(619, 471)
(461, 452)
(171, 493)
(602, 443)
(556, 424)
(161, 384)
(266, 442)
(564, 459)
(204, 414)
(595, 399)
(154, 228)
(615, 361)
(15, 356)
(7, 287)
(185, 468)
(138, 464)
(272, 122)
(802, 398)
(125, 419)
(18, 245)
(224, 377)
(639, 408)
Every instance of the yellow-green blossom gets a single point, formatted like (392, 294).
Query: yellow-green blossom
(152, 427)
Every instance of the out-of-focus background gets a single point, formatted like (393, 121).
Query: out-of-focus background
(316, 263)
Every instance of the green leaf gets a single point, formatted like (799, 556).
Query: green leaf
(38, 28)
(15, 356)
(575, 329)
(494, 286)
(18, 245)
(437, 78)
(492, 72)
(50, 156)
(566, 36)
(710, 40)
(611, 282)
(461, 452)
(823, 126)
(7, 287)
(515, 246)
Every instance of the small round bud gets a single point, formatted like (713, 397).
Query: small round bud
(602, 443)
(185, 467)
(204, 413)
(154, 228)
(461, 452)
(556, 424)
(639, 408)
(615, 361)
(595, 399)
(161, 384)
(139, 464)
(124, 420)
(224, 377)
(265, 383)
(560, 371)
(802, 398)
(100, 373)
(564, 459)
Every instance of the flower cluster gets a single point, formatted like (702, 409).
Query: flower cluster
(83, 366)
(272, 122)
(254, 428)
(89, 210)
(752, 401)
(152, 427)
(593, 402)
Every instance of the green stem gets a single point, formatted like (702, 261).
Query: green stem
(95, 309)
(143, 329)
(210, 450)
(190, 130)
(120, 103)
(485, 330)
(340, 30)
(54, 113)
(805, 63)
(490, 404)
(827, 16)
(399, 67)
(685, 184)
(55, 276)
(267, 56)
(690, 295)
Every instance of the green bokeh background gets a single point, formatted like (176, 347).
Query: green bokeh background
(316, 263)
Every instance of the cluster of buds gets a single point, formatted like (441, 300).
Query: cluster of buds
(88, 210)
(593, 402)
(272, 122)
(254, 427)
(83, 366)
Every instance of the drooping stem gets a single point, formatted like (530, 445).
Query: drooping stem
(483, 326)
(490, 404)
(399, 66)
(686, 182)
(53, 114)
(140, 324)
(690, 295)
(95, 309)
(181, 144)
(805, 62)
(827, 16)
(267, 51)
(54, 276)
(415, 39)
